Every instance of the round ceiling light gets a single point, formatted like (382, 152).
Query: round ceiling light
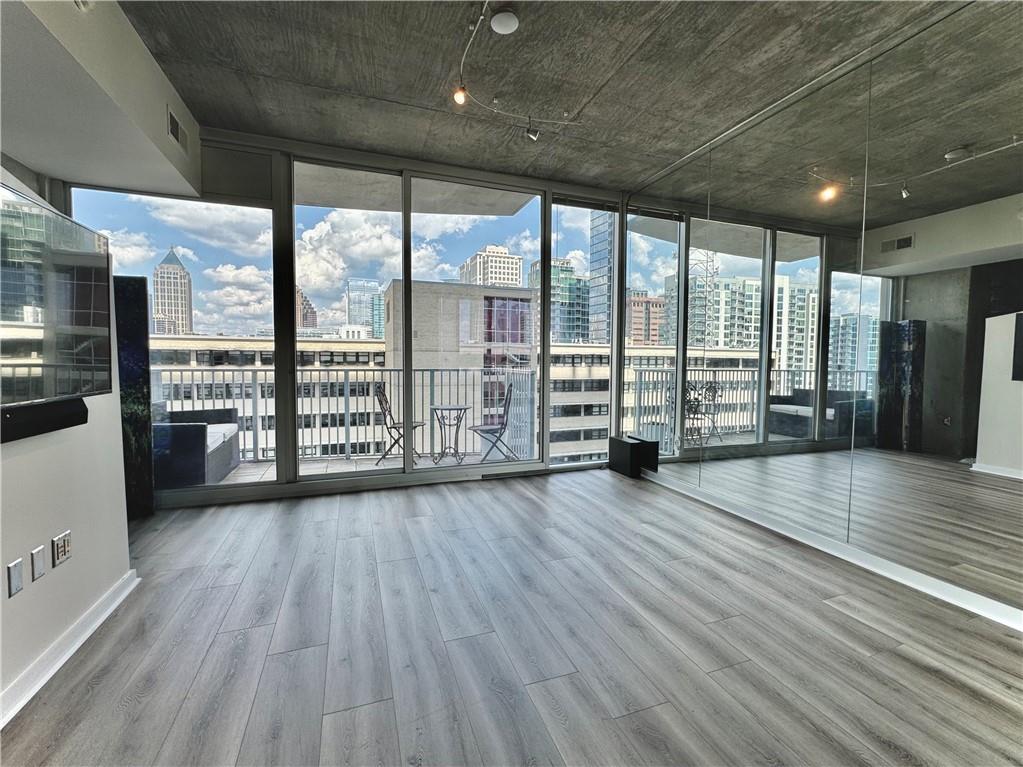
(504, 22)
(957, 153)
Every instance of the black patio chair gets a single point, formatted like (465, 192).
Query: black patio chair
(711, 395)
(395, 429)
(494, 433)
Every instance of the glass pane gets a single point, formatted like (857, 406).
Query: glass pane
(651, 330)
(938, 454)
(583, 254)
(475, 337)
(347, 285)
(792, 396)
(723, 367)
(211, 330)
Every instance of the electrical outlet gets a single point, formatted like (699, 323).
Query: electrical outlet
(61, 547)
(38, 562)
(14, 577)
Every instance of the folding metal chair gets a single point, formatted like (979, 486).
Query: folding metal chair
(494, 433)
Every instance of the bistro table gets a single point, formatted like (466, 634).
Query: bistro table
(449, 421)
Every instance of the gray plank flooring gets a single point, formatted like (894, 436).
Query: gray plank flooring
(578, 618)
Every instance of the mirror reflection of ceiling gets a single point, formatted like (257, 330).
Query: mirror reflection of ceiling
(648, 83)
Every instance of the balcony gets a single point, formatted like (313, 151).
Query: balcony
(341, 426)
(721, 405)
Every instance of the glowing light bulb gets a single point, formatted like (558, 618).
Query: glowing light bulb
(460, 95)
(828, 193)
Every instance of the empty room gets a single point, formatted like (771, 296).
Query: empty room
(532, 383)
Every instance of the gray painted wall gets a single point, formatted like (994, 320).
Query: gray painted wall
(941, 299)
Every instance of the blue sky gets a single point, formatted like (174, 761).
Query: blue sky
(226, 248)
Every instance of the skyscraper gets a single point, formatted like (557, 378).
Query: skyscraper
(493, 265)
(172, 297)
(602, 245)
(570, 301)
(305, 312)
(361, 297)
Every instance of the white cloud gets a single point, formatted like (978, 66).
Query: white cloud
(186, 253)
(246, 232)
(570, 217)
(640, 248)
(129, 249)
(345, 241)
(524, 244)
(243, 300)
(580, 261)
(432, 226)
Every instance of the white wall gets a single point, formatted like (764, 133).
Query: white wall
(1000, 433)
(68, 479)
(977, 234)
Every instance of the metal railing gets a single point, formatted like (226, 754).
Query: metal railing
(337, 410)
(721, 401)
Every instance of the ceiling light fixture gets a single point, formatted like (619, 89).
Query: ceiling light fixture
(531, 132)
(957, 153)
(504, 21)
(461, 95)
(828, 193)
(905, 191)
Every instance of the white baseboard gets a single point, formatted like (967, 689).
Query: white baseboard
(935, 587)
(30, 681)
(1000, 471)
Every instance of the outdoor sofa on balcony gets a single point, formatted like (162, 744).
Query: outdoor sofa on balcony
(791, 415)
(193, 447)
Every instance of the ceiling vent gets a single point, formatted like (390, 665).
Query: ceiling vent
(176, 132)
(897, 243)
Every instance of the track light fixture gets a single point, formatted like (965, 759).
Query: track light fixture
(905, 191)
(503, 21)
(531, 132)
(828, 193)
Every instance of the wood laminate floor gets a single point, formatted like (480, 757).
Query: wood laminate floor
(929, 513)
(580, 619)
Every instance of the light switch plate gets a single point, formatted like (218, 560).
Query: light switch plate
(14, 577)
(38, 562)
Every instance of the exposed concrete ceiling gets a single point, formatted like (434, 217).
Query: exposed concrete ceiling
(647, 83)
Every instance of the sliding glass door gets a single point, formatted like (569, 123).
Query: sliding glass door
(476, 297)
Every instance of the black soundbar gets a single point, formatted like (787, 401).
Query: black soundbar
(21, 421)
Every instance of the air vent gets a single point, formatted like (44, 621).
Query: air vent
(898, 243)
(176, 132)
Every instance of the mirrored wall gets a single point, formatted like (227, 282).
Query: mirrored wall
(853, 278)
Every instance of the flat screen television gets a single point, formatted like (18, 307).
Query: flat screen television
(54, 305)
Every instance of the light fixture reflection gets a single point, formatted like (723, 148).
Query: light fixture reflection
(828, 193)
(905, 191)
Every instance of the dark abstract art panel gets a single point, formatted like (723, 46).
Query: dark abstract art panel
(131, 305)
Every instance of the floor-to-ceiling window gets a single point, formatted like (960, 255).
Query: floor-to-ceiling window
(792, 392)
(475, 324)
(348, 267)
(209, 278)
(723, 349)
(584, 244)
(649, 394)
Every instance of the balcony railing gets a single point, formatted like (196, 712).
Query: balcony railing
(337, 410)
(720, 401)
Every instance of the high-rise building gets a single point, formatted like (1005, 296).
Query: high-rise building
(493, 265)
(669, 332)
(570, 301)
(853, 343)
(172, 297)
(364, 300)
(602, 246)
(794, 335)
(305, 312)
(645, 318)
(378, 314)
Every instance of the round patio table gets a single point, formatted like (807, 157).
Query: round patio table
(449, 421)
